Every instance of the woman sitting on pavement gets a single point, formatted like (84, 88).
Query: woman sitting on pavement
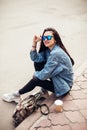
(53, 67)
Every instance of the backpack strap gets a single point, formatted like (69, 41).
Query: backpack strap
(44, 109)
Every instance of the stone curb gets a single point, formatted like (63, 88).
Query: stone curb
(29, 121)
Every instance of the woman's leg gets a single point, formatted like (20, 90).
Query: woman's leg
(29, 86)
(45, 84)
(39, 66)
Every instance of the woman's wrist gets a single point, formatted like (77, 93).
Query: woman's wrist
(34, 45)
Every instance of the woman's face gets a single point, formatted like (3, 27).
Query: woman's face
(48, 39)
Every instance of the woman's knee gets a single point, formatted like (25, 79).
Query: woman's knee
(35, 79)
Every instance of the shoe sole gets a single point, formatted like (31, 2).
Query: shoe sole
(9, 101)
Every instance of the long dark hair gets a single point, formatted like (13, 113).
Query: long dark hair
(58, 41)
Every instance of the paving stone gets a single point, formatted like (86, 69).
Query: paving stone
(80, 78)
(68, 97)
(52, 109)
(84, 91)
(78, 95)
(81, 104)
(75, 116)
(84, 84)
(76, 87)
(85, 74)
(81, 126)
(69, 105)
(44, 123)
(58, 118)
(64, 127)
(84, 113)
(48, 128)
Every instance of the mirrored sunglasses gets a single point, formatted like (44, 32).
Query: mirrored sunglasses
(46, 37)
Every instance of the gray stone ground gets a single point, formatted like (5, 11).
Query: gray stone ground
(19, 21)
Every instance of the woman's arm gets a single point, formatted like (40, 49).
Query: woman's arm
(50, 69)
(35, 40)
(37, 57)
(34, 55)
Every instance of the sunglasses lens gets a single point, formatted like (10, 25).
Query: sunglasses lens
(46, 37)
(49, 37)
(43, 38)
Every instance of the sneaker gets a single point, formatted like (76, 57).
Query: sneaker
(11, 97)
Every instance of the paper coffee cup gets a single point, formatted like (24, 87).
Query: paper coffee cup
(58, 105)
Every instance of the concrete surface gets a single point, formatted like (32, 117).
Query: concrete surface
(19, 21)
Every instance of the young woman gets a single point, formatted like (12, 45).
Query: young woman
(53, 67)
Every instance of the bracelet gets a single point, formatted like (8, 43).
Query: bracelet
(34, 46)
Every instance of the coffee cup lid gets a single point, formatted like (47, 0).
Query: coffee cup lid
(58, 102)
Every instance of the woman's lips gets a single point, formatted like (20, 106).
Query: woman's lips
(46, 43)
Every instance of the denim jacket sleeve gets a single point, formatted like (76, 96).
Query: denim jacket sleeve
(49, 69)
(37, 57)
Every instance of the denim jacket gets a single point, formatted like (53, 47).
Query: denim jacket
(58, 67)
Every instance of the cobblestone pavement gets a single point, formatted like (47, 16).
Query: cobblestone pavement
(74, 114)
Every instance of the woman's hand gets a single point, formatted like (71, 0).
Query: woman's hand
(35, 40)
